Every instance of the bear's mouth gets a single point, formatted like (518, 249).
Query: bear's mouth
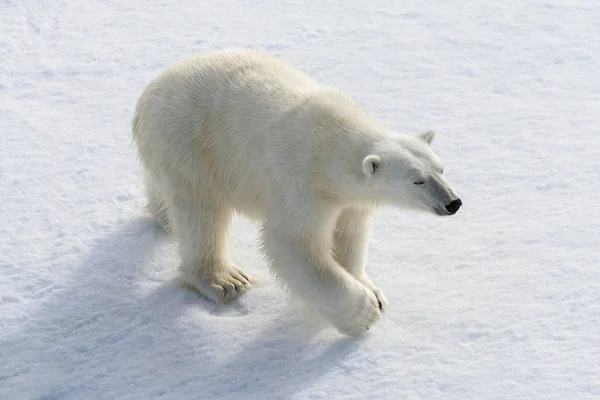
(441, 212)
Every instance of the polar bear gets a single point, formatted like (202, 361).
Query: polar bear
(243, 131)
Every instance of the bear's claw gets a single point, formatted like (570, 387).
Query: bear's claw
(381, 299)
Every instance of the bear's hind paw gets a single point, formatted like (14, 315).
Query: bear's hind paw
(223, 287)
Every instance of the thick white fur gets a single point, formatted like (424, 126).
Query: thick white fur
(243, 131)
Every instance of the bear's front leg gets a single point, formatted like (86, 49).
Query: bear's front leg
(350, 246)
(300, 256)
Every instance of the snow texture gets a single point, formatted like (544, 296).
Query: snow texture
(500, 301)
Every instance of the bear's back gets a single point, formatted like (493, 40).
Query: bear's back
(230, 77)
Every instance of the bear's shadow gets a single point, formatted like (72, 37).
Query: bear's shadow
(279, 367)
(98, 313)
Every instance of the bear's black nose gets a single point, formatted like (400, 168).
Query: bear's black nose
(454, 206)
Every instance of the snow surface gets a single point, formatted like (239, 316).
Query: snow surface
(501, 301)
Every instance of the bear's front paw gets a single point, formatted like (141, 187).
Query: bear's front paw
(362, 310)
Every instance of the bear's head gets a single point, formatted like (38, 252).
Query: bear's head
(403, 170)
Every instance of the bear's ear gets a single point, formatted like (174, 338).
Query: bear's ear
(371, 164)
(427, 136)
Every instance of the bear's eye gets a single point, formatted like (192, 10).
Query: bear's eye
(419, 182)
(374, 166)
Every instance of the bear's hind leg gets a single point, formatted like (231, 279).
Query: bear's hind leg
(350, 246)
(202, 234)
(157, 206)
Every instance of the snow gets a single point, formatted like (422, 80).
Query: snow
(497, 302)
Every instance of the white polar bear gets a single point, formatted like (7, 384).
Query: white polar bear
(243, 131)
